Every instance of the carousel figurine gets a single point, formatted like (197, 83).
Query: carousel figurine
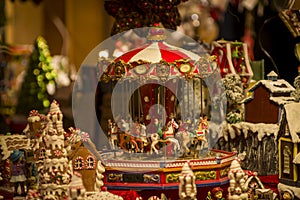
(204, 123)
(200, 141)
(135, 129)
(112, 133)
(143, 133)
(125, 126)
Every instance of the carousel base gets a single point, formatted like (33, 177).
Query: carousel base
(141, 173)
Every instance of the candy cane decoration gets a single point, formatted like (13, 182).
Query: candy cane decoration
(100, 170)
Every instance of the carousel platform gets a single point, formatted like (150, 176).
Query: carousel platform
(124, 172)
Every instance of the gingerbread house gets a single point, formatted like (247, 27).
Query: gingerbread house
(289, 149)
(266, 100)
(85, 163)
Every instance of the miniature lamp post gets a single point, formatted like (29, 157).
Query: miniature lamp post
(187, 187)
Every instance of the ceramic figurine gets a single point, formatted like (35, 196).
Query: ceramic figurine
(187, 187)
(237, 176)
(217, 194)
(18, 177)
(287, 195)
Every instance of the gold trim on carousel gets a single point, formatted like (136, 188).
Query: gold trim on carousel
(166, 170)
(151, 178)
(172, 178)
(205, 175)
(115, 177)
(224, 172)
(120, 68)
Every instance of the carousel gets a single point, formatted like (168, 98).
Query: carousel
(164, 100)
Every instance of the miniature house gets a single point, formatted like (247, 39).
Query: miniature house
(266, 100)
(84, 162)
(289, 146)
(233, 58)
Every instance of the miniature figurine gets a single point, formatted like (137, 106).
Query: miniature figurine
(135, 129)
(200, 141)
(187, 187)
(236, 175)
(287, 195)
(112, 133)
(18, 177)
(217, 194)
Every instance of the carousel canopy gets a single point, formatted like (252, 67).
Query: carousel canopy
(156, 60)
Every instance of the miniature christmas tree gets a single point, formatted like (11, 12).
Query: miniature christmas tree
(296, 93)
(39, 80)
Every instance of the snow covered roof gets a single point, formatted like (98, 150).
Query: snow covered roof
(274, 86)
(282, 100)
(292, 113)
(272, 73)
(261, 129)
(8, 143)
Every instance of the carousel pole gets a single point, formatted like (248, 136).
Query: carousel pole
(201, 97)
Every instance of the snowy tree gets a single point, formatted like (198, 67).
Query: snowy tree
(234, 94)
(296, 93)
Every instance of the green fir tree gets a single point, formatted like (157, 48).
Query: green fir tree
(39, 76)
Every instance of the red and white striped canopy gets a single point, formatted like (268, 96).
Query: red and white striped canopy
(153, 60)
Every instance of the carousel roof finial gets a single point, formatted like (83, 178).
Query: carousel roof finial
(156, 32)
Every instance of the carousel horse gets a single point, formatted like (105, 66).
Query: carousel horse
(113, 135)
(129, 142)
(154, 141)
(168, 137)
(186, 138)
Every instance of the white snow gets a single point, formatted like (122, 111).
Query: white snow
(292, 111)
(261, 128)
(278, 86)
(282, 100)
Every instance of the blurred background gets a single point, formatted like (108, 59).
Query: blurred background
(70, 29)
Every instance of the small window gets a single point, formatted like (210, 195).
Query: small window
(286, 160)
(90, 162)
(42, 153)
(78, 164)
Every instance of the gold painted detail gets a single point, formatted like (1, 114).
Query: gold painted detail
(114, 177)
(118, 69)
(205, 175)
(224, 172)
(151, 178)
(172, 178)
